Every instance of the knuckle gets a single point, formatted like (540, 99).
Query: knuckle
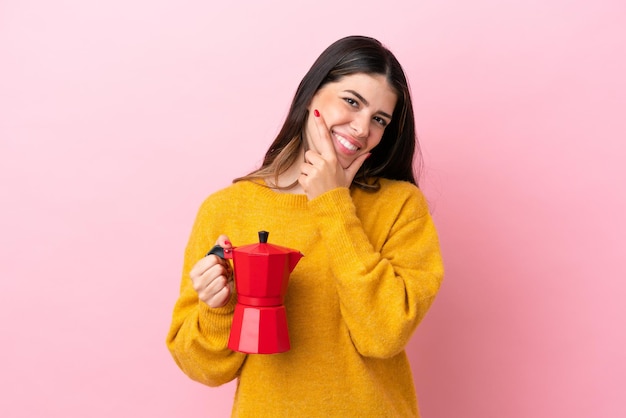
(212, 303)
(220, 270)
(195, 283)
(203, 296)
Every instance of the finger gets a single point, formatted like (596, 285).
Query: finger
(215, 285)
(313, 158)
(212, 281)
(203, 265)
(326, 144)
(205, 271)
(220, 298)
(308, 173)
(306, 169)
(223, 241)
(304, 175)
(219, 290)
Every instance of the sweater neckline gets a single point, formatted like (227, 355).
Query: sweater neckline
(260, 188)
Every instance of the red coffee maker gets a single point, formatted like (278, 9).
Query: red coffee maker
(261, 277)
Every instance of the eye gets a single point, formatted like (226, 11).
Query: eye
(382, 122)
(351, 101)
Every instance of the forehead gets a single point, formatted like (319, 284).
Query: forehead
(373, 87)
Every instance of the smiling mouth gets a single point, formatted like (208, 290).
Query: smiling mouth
(346, 144)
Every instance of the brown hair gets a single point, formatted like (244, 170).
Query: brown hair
(393, 157)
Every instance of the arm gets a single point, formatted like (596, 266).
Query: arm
(198, 335)
(384, 292)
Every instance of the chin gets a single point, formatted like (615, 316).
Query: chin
(345, 164)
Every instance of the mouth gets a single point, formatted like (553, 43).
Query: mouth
(350, 146)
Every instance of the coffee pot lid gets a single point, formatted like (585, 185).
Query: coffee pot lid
(263, 247)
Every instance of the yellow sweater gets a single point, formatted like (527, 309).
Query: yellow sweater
(370, 271)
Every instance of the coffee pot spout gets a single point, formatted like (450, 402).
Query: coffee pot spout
(294, 257)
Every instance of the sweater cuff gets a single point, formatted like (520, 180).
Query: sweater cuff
(215, 323)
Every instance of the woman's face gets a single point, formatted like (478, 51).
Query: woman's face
(356, 109)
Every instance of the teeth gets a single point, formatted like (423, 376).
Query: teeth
(346, 144)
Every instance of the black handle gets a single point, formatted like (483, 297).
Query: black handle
(216, 250)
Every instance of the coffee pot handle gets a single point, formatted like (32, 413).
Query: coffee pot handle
(218, 250)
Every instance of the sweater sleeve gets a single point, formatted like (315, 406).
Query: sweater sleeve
(384, 292)
(198, 335)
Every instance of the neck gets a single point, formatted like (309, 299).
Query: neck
(289, 178)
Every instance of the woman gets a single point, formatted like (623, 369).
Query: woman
(337, 184)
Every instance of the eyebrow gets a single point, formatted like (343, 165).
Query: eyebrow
(366, 103)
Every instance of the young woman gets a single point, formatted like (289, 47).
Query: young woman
(338, 185)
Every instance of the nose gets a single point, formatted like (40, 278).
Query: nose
(360, 125)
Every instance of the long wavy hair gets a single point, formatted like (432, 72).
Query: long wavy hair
(393, 158)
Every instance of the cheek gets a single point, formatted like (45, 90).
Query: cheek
(311, 135)
(374, 140)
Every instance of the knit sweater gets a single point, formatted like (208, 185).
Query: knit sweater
(370, 271)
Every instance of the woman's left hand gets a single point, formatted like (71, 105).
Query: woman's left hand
(321, 171)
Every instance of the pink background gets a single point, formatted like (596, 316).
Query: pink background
(117, 118)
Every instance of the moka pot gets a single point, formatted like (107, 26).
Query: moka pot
(261, 278)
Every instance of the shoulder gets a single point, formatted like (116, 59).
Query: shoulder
(394, 195)
(400, 188)
(230, 196)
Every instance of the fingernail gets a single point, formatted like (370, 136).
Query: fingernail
(227, 242)
(316, 113)
(368, 155)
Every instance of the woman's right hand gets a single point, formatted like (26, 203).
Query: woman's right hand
(212, 277)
